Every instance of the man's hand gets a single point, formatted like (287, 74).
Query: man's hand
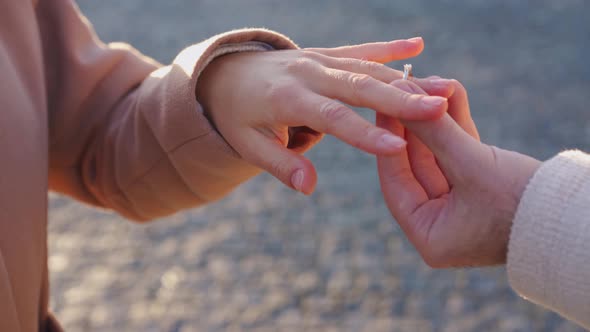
(273, 106)
(452, 195)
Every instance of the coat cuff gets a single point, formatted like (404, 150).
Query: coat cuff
(222, 160)
(549, 248)
(207, 165)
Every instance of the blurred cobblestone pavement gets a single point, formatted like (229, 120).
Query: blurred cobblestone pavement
(268, 259)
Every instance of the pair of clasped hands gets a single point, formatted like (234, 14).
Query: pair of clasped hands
(452, 195)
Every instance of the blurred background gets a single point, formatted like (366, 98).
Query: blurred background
(268, 259)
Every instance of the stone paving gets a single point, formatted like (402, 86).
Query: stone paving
(268, 259)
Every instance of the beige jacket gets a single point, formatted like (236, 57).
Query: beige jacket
(100, 123)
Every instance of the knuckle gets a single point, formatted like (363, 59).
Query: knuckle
(310, 55)
(349, 64)
(279, 167)
(279, 92)
(333, 111)
(370, 66)
(360, 82)
(408, 99)
(365, 134)
(370, 130)
(299, 64)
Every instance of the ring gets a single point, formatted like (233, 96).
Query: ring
(407, 72)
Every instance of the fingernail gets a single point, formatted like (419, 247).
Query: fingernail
(440, 82)
(415, 39)
(390, 142)
(297, 179)
(433, 101)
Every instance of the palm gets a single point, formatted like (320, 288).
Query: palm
(456, 209)
(425, 194)
(440, 206)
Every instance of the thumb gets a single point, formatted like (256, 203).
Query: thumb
(444, 137)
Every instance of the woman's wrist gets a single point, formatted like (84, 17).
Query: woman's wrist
(517, 169)
(524, 174)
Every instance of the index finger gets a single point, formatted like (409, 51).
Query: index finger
(364, 91)
(381, 52)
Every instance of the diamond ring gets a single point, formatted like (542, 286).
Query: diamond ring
(407, 71)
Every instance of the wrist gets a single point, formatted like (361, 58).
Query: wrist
(219, 72)
(508, 181)
(517, 169)
(523, 171)
(207, 90)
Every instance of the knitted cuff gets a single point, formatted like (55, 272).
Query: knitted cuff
(549, 248)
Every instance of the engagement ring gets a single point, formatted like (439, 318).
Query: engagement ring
(407, 71)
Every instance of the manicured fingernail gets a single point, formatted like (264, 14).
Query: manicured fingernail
(440, 82)
(433, 101)
(390, 142)
(297, 179)
(415, 39)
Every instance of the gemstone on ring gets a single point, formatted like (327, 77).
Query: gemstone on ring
(407, 71)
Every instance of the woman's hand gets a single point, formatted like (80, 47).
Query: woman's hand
(273, 106)
(452, 195)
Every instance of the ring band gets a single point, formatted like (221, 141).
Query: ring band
(407, 72)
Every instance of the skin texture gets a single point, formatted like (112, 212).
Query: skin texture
(452, 195)
(271, 107)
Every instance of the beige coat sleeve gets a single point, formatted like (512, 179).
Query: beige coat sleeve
(549, 248)
(127, 133)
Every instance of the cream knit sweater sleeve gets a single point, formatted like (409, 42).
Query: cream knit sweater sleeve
(549, 249)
